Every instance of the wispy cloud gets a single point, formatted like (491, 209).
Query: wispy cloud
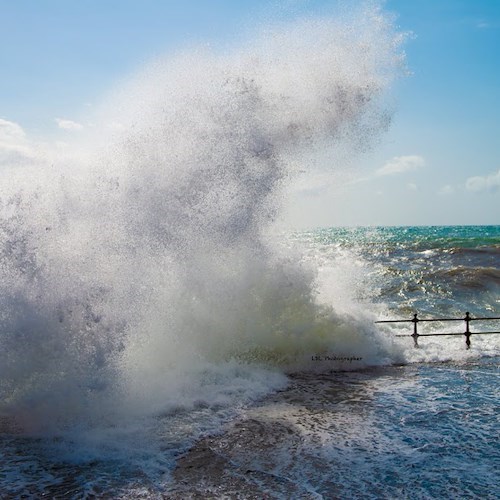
(483, 183)
(401, 164)
(482, 23)
(397, 165)
(446, 190)
(15, 149)
(312, 185)
(10, 131)
(68, 124)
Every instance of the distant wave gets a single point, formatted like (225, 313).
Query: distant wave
(469, 277)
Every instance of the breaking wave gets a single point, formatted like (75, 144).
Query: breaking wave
(146, 274)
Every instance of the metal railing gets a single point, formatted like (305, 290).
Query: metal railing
(468, 319)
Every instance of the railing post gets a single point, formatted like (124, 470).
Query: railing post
(415, 333)
(467, 332)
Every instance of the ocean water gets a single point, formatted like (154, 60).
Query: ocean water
(161, 338)
(362, 414)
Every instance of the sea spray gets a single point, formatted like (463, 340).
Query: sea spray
(144, 276)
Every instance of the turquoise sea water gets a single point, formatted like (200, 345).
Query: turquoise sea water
(438, 270)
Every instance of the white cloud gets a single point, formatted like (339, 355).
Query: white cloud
(68, 124)
(10, 131)
(15, 154)
(412, 186)
(15, 149)
(446, 190)
(314, 184)
(483, 183)
(400, 164)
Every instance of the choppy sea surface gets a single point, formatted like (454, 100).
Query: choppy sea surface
(346, 421)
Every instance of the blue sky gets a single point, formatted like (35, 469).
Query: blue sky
(438, 164)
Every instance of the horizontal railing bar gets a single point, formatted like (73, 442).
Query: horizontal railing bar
(438, 334)
(396, 321)
(441, 319)
(428, 334)
(420, 320)
(434, 319)
(482, 319)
